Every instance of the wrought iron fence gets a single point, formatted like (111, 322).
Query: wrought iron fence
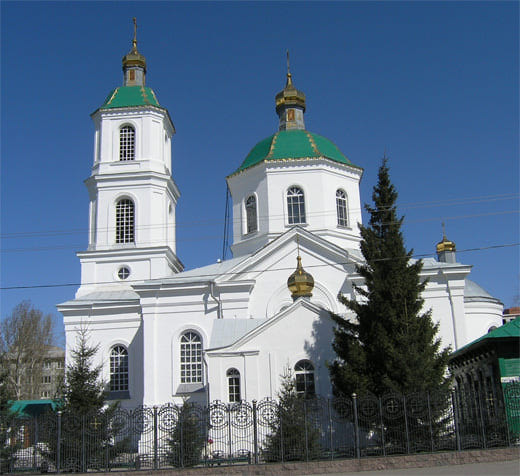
(257, 432)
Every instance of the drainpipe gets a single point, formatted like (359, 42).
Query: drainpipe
(212, 294)
(453, 320)
(204, 360)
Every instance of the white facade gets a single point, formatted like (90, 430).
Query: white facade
(188, 334)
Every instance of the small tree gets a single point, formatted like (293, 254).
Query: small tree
(89, 434)
(393, 345)
(24, 336)
(8, 425)
(187, 438)
(294, 435)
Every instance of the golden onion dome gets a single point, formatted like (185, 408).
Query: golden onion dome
(300, 283)
(289, 96)
(133, 57)
(445, 245)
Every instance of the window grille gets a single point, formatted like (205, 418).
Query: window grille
(341, 207)
(118, 369)
(251, 215)
(125, 221)
(191, 358)
(295, 206)
(304, 371)
(127, 143)
(233, 376)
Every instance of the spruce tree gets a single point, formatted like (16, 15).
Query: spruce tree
(187, 438)
(89, 433)
(392, 345)
(294, 433)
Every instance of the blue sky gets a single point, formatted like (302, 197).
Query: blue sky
(435, 84)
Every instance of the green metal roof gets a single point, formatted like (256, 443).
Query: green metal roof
(130, 96)
(293, 144)
(33, 407)
(511, 329)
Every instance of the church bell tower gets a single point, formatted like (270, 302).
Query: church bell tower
(132, 194)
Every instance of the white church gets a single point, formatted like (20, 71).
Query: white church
(229, 330)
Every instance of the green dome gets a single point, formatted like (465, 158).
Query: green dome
(130, 96)
(294, 144)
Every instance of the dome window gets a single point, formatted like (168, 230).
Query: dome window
(127, 143)
(342, 207)
(251, 214)
(295, 206)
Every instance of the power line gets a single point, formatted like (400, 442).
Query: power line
(417, 256)
(211, 237)
(329, 212)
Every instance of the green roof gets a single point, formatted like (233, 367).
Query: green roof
(32, 408)
(511, 329)
(130, 96)
(293, 144)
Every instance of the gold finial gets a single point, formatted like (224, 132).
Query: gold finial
(134, 42)
(445, 244)
(133, 57)
(289, 75)
(300, 283)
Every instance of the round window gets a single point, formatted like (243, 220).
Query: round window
(123, 272)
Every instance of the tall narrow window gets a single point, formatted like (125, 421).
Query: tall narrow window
(191, 358)
(119, 369)
(125, 217)
(341, 207)
(304, 371)
(233, 376)
(251, 214)
(295, 206)
(127, 143)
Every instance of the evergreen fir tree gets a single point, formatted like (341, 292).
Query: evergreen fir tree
(393, 345)
(89, 433)
(187, 439)
(294, 435)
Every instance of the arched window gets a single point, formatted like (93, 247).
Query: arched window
(251, 214)
(304, 371)
(125, 221)
(233, 376)
(127, 143)
(295, 206)
(341, 207)
(118, 369)
(191, 358)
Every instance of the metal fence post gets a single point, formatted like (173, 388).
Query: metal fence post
(482, 424)
(382, 426)
(356, 426)
(58, 443)
(35, 442)
(230, 442)
(505, 402)
(83, 446)
(306, 430)
(331, 434)
(281, 433)
(432, 444)
(456, 419)
(181, 426)
(406, 429)
(255, 433)
(155, 459)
